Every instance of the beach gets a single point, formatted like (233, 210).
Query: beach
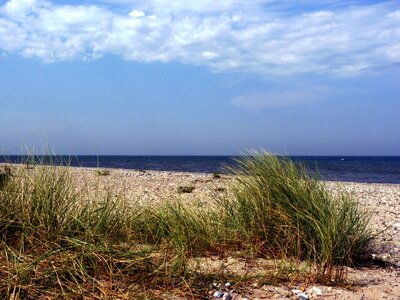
(365, 282)
(378, 279)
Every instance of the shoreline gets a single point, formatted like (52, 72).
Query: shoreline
(329, 168)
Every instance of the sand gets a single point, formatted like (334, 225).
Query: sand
(383, 200)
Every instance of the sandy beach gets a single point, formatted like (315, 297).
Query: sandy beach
(375, 281)
(383, 200)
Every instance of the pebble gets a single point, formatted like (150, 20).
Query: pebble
(218, 294)
(315, 291)
(302, 296)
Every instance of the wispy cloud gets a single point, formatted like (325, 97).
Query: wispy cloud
(256, 101)
(229, 35)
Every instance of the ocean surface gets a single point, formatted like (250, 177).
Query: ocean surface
(373, 169)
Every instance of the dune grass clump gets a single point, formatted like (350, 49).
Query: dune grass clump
(59, 240)
(181, 233)
(56, 241)
(104, 172)
(44, 203)
(216, 176)
(185, 189)
(281, 210)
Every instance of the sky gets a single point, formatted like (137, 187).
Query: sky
(204, 77)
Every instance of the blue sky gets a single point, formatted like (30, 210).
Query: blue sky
(159, 77)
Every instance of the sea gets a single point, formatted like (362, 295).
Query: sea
(370, 169)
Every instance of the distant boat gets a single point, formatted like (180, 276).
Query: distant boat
(342, 159)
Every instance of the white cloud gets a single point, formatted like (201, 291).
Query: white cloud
(253, 36)
(137, 14)
(20, 7)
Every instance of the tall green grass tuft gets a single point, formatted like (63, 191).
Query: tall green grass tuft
(282, 211)
(44, 203)
(59, 242)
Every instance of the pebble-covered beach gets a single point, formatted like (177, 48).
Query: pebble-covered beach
(201, 190)
(383, 200)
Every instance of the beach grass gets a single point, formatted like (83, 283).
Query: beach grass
(58, 240)
(280, 209)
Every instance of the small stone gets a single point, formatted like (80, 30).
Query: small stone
(396, 225)
(316, 291)
(384, 257)
(218, 294)
(228, 284)
(302, 296)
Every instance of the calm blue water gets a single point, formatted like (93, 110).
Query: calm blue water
(343, 168)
